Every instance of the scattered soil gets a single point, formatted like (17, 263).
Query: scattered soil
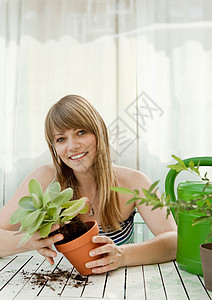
(42, 278)
(74, 229)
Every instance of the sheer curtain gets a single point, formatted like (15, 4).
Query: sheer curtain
(146, 65)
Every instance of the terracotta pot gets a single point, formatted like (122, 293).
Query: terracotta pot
(206, 258)
(77, 251)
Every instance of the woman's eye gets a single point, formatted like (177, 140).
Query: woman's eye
(81, 132)
(59, 140)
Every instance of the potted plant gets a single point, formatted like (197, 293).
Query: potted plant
(39, 211)
(195, 209)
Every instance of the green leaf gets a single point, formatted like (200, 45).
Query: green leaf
(191, 165)
(75, 208)
(157, 206)
(168, 211)
(63, 197)
(35, 226)
(26, 203)
(45, 230)
(210, 235)
(144, 201)
(20, 230)
(51, 192)
(121, 190)
(18, 215)
(205, 177)
(205, 186)
(136, 193)
(68, 218)
(54, 213)
(199, 220)
(193, 168)
(153, 185)
(146, 193)
(24, 239)
(35, 188)
(49, 196)
(36, 201)
(53, 187)
(177, 168)
(85, 210)
(134, 199)
(179, 160)
(68, 203)
(30, 218)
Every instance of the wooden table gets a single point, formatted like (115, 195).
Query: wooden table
(28, 276)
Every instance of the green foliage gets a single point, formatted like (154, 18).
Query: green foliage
(180, 166)
(39, 211)
(199, 204)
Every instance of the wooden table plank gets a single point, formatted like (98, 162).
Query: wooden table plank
(209, 293)
(95, 286)
(72, 288)
(135, 284)
(193, 285)
(55, 287)
(18, 281)
(115, 287)
(33, 286)
(4, 261)
(153, 283)
(173, 285)
(14, 286)
(10, 270)
(71, 298)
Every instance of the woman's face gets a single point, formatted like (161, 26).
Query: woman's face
(76, 148)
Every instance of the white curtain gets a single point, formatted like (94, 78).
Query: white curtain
(146, 65)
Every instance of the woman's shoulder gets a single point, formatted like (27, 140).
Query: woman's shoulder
(47, 168)
(43, 170)
(43, 173)
(130, 178)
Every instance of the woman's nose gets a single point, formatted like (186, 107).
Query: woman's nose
(73, 144)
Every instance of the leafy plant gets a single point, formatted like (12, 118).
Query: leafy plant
(180, 166)
(199, 204)
(39, 211)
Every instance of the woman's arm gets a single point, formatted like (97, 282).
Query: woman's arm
(8, 233)
(10, 239)
(161, 248)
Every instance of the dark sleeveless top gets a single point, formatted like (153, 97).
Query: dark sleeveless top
(123, 236)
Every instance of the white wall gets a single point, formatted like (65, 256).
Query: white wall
(145, 65)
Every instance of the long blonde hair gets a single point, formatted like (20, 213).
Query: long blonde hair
(72, 112)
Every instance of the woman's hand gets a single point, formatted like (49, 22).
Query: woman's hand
(44, 245)
(111, 255)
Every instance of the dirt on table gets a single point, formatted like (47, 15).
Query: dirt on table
(74, 229)
(42, 278)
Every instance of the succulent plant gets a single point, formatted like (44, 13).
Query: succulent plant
(40, 210)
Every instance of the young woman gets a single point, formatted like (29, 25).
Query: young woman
(78, 141)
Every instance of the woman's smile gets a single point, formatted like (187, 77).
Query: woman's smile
(76, 148)
(78, 156)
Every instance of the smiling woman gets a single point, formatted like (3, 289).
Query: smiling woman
(76, 148)
(78, 141)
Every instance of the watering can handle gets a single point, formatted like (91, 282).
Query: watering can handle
(172, 174)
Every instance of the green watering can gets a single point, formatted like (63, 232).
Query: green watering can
(189, 236)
